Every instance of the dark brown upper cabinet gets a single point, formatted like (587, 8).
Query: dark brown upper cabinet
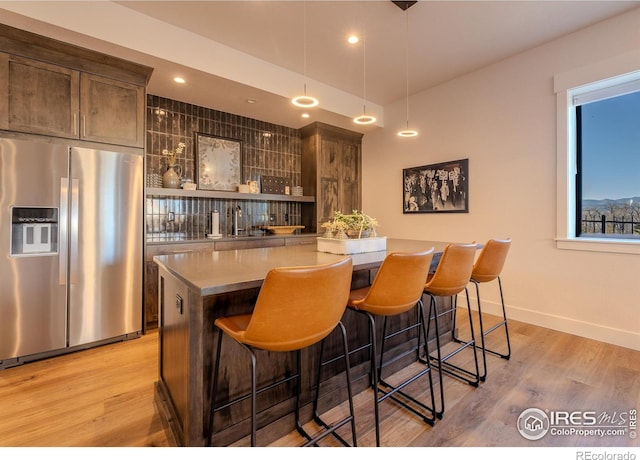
(53, 88)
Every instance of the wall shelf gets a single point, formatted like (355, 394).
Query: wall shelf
(150, 191)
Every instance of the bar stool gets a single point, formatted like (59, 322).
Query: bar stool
(451, 277)
(487, 268)
(296, 308)
(396, 288)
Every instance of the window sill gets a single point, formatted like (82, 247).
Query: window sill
(618, 246)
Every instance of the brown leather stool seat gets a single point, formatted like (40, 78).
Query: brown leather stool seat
(296, 308)
(451, 277)
(487, 268)
(396, 288)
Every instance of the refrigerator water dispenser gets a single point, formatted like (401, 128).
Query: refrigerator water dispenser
(34, 231)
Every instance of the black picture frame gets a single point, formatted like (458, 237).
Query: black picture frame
(436, 188)
(218, 162)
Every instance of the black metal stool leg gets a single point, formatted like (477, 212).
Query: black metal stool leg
(330, 429)
(483, 377)
(506, 328)
(347, 370)
(433, 314)
(254, 386)
(374, 374)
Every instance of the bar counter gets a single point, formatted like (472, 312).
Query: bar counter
(197, 287)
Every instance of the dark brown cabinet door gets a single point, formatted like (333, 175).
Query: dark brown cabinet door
(331, 170)
(111, 111)
(37, 97)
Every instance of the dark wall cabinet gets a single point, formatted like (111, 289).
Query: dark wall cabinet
(38, 97)
(332, 171)
(111, 111)
(56, 89)
(43, 98)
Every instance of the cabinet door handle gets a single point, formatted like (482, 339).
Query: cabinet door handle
(75, 124)
(84, 125)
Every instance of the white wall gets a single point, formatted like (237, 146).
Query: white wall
(503, 119)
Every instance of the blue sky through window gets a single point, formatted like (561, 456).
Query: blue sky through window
(611, 148)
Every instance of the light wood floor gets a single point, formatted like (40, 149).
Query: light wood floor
(105, 397)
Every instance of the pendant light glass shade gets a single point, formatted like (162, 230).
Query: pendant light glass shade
(407, 132)
(364, 119)
(304, 100)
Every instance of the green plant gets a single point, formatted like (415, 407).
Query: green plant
(356, 223)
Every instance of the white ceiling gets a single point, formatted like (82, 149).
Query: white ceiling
(232, 51)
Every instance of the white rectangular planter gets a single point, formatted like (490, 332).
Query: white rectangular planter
(352, 246)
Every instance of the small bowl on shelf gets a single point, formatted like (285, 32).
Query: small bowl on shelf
(282, 229)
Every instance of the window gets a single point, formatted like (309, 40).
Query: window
(607, 133)
(582, 95)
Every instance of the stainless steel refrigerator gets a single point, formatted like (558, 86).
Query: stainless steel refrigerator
(71, 248)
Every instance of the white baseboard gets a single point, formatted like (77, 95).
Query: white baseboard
(593, 331)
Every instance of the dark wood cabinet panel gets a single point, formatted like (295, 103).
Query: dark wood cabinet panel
(47, 99)
(331, 170)
(53, 88)
(38, 97)
(111, 111)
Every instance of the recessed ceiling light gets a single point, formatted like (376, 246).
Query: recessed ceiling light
(305, 115)
(353, 39)
(251, 101)
(179, 80)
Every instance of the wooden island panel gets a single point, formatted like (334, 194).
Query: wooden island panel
(198, 287)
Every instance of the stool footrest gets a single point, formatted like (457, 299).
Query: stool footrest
(393, 390)
(329, 429)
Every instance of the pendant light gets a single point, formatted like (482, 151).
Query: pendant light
(364, 119)
(305, 101)
(407, 132)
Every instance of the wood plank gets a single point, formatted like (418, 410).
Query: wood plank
(104, 397)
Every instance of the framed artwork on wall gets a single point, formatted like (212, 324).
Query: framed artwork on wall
(218, 162)
(440, 187)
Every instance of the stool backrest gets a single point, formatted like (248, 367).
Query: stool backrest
(299, 306)
(454, 270)
(491, 260)
(399, 282)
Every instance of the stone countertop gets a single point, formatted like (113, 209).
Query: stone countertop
(214, 272)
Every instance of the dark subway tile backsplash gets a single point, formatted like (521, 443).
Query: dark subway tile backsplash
(267, 150)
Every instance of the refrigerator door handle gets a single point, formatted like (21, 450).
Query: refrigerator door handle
(73, 232)
(63, 230)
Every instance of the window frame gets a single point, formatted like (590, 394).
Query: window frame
(566, 85)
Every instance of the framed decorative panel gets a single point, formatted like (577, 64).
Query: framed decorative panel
(218, 162)
(441, 187)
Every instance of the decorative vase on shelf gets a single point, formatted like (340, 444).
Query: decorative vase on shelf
(171, 177)
(327, 233)
(340, 235)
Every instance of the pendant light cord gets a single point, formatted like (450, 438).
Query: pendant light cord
(364, 70)
(406, 54)
(304, 40)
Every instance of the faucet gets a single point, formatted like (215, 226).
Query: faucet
(237, 213)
